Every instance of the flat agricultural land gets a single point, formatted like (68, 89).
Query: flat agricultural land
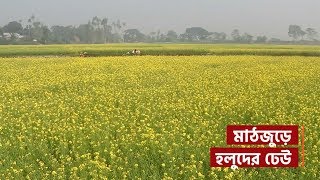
(148, 117)
(159, 50)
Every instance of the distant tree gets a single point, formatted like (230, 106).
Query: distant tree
(274, 40)
(36, 30)
(235, 34)
(98, 30)
(218, 36)
(163, 37)
(222, 36)
(124, 24)
(83, 32)
(45, 34)
(117, 27)
(133, 35)
(1, 34)
(63, 34)
(246, 38)
(58, 34)
(152, 36)
(25, 32)
(171, 36)
(196, 34)
(30, 22)
(237, 37)
(96, 21)
(91, 35)
(116, 38)
(183, 37)
(28, 28)
(121, 33)
(106, 30)
(295, 32)
(158, 35)
(312, 34)
(12, 28)
(261, 39)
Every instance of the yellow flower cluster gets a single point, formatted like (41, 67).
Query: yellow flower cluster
(148, 117)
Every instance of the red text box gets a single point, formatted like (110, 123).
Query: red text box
(254, 157)
(262, 134)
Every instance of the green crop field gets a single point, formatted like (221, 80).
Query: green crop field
(149, 117)
(159, 49)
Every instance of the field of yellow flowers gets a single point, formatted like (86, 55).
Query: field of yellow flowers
(149, 117)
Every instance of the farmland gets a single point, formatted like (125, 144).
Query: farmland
(159, 50)
(149, 117)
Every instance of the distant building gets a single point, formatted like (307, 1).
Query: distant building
(8, 36)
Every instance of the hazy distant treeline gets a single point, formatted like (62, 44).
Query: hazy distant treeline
(102, 30)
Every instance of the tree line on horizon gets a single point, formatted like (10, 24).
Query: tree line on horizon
(102, 31)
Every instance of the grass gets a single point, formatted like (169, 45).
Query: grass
(159, 50)
(148, 117)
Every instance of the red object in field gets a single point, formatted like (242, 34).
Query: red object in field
(262, 134)
(254, 157)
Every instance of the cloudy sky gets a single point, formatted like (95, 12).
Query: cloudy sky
(258, 17)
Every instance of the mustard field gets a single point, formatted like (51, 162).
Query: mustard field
(149, 117)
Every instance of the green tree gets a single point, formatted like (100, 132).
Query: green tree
(246, 38)
(58, 34)
(107, 34)
(275, 40)
(295, 32)
(83, 32)
(158, 35)
(91, 33)
(235, 34)
(117, 26)
(1, 31)
(62, 34)
(45, 34)
(97, 34)
(153, 36)
(96, 21)
(29, 26)
(196, 34)
(218, 36)
(12, 28)
(133, 35)
(36, 30)
(312, 34)
(261, 39)
(171, 36)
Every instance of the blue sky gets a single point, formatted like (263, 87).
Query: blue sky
(258, 17)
